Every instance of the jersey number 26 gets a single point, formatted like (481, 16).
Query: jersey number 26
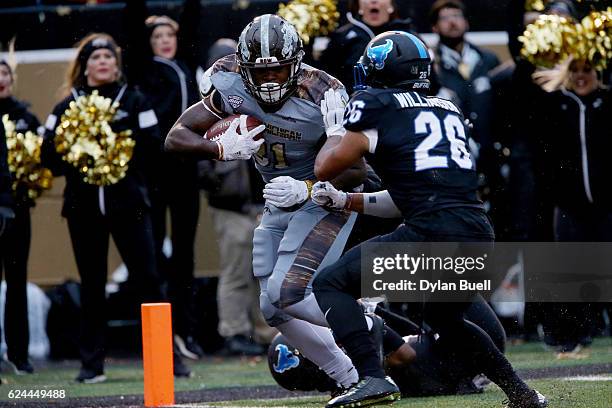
(451, 127)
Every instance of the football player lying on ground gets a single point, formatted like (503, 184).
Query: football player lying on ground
(418, 364)
(266, 80)
(418, 146)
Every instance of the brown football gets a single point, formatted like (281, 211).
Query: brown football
(216, 130)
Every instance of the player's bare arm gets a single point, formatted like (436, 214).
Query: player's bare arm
(339, 154)
(186, 134)
(184, 137)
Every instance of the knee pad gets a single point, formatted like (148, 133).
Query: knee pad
(264, 252)
(271, 314)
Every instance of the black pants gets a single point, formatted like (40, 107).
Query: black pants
(568, 324)
(14, 252)
(177, 191)
(338, 285)
(133, 236)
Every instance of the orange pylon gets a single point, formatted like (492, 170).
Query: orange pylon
(157, 354)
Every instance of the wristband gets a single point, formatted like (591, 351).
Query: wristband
(309, 184)
(220, 147)
(349, 201)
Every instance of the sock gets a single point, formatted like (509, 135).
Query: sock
(307, 309)
(350, 327)
(318, 345)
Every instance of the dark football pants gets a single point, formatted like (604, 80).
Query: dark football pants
(337, 287)
(133, 236)
(178, 193)
(14, 252)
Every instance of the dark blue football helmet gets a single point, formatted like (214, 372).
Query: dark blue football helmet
(394, 59)
(293, 371)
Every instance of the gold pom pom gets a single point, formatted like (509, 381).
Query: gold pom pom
(552, 39)
(311, 18)
(595, 40)
(24, 161)
(86, 140)
(545, 41)
(535, 5)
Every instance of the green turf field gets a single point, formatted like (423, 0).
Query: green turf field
(561, 393)
(125, 377)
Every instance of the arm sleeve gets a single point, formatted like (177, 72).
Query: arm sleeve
(380, 204)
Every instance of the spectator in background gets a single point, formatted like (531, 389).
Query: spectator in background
(367, 18)
(572, 167)
(162, 61)
(464, 68)
(15, 243)
(121, 210)
(235, 203)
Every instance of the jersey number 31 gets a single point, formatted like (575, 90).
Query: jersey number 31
(429, 124)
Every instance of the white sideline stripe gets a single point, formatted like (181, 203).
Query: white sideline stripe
(589, 378)
(42, 56)
(68, 54)
(265, 403)
(476, 38)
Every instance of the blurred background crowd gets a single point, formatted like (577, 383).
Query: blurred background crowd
(181, 229)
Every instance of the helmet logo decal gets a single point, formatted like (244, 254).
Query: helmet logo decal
(290, 37)
(286, 359)
(242, 45)
(379, 53)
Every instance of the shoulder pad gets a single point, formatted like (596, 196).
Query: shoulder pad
(312, 84)
(224, 64)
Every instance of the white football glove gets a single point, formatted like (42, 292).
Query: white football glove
(285, 191)
(332, 109)
(326, 195)
(239, 146)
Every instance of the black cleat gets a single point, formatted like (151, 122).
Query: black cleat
(368, 391)
(87, 376)
(533, 399)
(21, 367)
(179, 368)
(188, 347)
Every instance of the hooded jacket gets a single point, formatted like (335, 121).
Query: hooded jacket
(572, 161)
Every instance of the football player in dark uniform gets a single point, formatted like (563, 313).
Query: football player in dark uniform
(414, 359)
(418, 147)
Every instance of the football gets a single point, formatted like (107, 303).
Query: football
(215, 131)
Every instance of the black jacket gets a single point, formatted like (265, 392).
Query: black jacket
(475, 94)
(348, 43)
(170, 85)
(6, 196)
(129, 195)
(24, 121)
(573, 160)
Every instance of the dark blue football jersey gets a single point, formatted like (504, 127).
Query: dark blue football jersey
(419, 148)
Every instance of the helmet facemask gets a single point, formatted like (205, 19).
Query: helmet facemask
(271, 93)
(268, 43)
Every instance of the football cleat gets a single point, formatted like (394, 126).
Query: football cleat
(368, 391)
(533, 399)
